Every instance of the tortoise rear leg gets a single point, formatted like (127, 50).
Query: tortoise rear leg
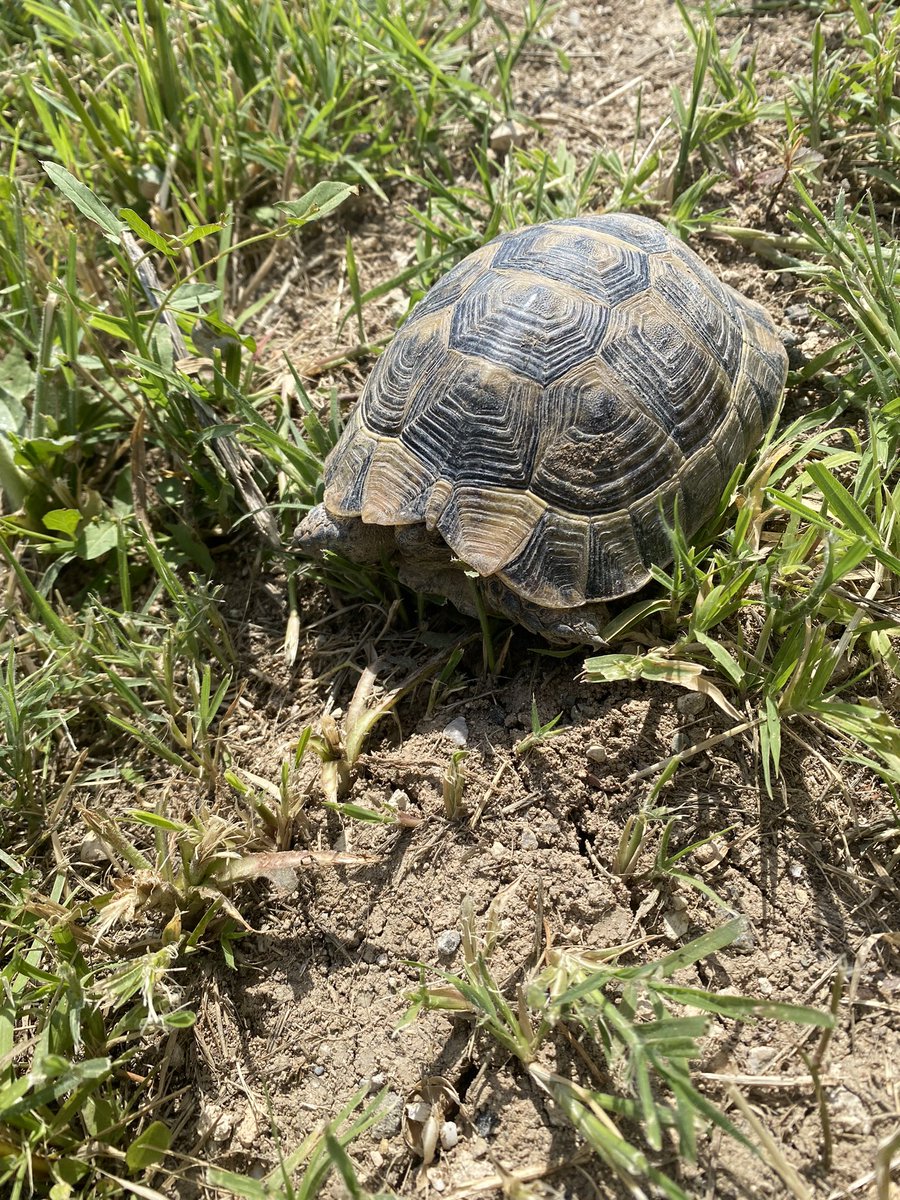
(426, 564)
(579, 626)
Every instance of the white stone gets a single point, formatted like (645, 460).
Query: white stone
(457, 731)
(398, 799)
(449, 1135)
(448, 942)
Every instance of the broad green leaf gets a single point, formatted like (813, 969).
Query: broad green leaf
(149, 1147)
(145, 232)
(16, 383)
(62, 520)
(115, 326)
(324, 198)
(39, 451)
(196, 232)
(193, 296)
(183, 1019)
(85, 200)
(97, 539)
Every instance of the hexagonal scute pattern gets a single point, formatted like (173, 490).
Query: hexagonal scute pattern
(538, 328)
(417, 354)
(600, 266)
(704, 307)
(451, 286)
(612, 451)
(646, 235)
(677, 383)
(475, 425)
(549, 402)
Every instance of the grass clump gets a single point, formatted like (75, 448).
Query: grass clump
(633, 1032)
(201, 110)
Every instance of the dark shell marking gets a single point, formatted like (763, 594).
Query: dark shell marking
(552, 398)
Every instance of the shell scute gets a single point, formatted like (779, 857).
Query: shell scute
(599, 462)
(648, 236)
(601, 267)
(474, 424)
(536, 327)
(391, 388)
(443, 294)
(551, 565)
(677, 384)
(701, 305)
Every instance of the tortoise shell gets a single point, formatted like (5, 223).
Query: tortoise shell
(552, 398)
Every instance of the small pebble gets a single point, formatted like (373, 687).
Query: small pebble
(764, 986)
(549, 831)
(797, 313)
(449, 1135)
(91, 850)
(848, 1113)
(597, 754)
(418, 1111)
(744, 943)
(675, 924)
(710, 854)
(758, 1059)
(398, 799)
(506, 135)
(388, 1123)
(680, 741)
(457, 731)
(485, 1122)
(527, 839)
(318, 1070)
(376, 1083)
(795, 870)
(691, 704)
(448, 942)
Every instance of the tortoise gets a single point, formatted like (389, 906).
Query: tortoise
(531, 428)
